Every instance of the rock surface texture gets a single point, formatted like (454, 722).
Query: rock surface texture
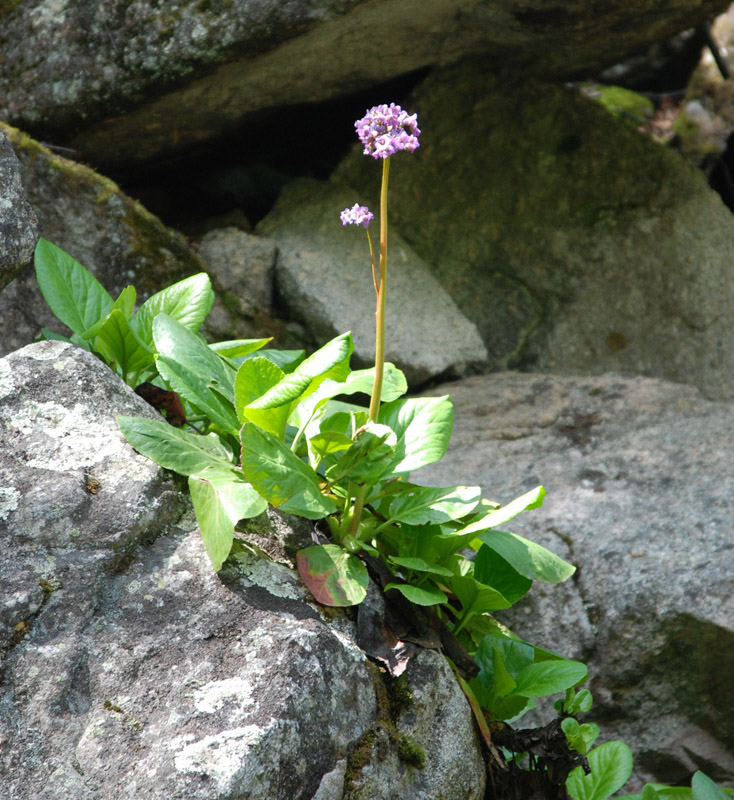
(572, 241)
(17, 220)
(638, 474)
(90, 218)
(127, 81)
(129, 669)
(325, 278)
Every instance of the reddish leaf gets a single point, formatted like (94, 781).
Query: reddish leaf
(333, 576)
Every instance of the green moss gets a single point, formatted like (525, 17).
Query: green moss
(399, 696)
(625, 103)
(409, 751)
(394, 697)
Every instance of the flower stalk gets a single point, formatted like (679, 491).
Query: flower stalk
(384, 130)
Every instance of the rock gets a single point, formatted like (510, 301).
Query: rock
(130, 82)
(325, 279)
(638, 475)
(243, 265)
(88, 216)
(130, 669)
(573, 242)
(17, 220)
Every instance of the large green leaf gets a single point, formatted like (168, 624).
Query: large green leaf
(423, 427)
(703, 788)
(221, 498)
(549, 677)
(280, 476)
(331, 361)
(172, 448)
(236, 348)
(360, 381)
(255, 377)
(611, 767)
(75, 296)
(333, 576)
(425, 595)
(475, 598)
(195, 372)
(531, 499)
(421, 505)
(188, 302)
(513, 655)
(493, 570)
(419, 565)
(119, 346)
(528, 558)
(369, 456)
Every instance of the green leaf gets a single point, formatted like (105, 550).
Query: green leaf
(75, 296)
(287, 360)
(703, 788)
(235, 348)
(579, 737)
(280, 476)
(221, 498)
(514, 655)
(421, 505)
(423, 427)
(333, 576)
(254, 377)
(331, 361)
(188, 302)
(119, 346)
(528, 558)
(360, 381)
(195, 372)
(327, 443)
(427, 595)
(549, 677)
(531, 499)
(611, 767)
(172, 448)
(419, 565)
(368, 457)
(475, 598)
(493, 570)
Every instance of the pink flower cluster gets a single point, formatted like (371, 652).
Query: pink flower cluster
(384, 130)
(357, 215)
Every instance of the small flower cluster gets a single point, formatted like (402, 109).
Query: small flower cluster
(357, 215)
(384, 130)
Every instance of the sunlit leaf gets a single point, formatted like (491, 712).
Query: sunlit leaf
(611, 767)
(75, 296)
(423, 427)
(280, 476)
(333, 576)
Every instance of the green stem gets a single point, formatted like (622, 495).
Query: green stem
(381, 289)
(381, 292)
(372, 257)
(357, 512)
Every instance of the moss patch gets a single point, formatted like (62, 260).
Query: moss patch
(394, 697)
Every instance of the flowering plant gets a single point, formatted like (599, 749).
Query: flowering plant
(271, 431)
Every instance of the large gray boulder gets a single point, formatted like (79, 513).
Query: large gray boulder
(324, 276)
(126, 82)
(572, 241)
(130, 669)
(17, 220)
(639, 481)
